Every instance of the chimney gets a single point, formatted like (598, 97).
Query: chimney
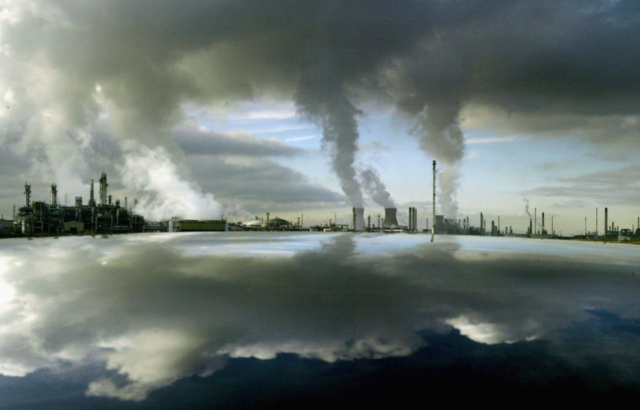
(27, 193)
(92, 201)
(358, 219)
(606, 221)
(414, 223)
(433, 229)
(103, 189)
(54, 194)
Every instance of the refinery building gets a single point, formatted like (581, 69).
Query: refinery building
(102, 217)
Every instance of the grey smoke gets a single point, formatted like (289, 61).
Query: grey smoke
(526, 207)
(331, 109)
(555, 69)
(376, 188)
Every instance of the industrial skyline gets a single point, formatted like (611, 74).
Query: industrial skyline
(517, 100)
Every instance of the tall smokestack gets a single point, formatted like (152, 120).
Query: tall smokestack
(606, 221)
(596, 222)
(54, 194)
(358, 219)
(543, 221)
(92, 201)
(433, 228)
(390, 220)
(414, 222)
(103, 189)
(27, 193)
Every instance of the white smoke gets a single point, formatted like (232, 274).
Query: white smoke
(161, 192)
(441, 137)
(374, 186)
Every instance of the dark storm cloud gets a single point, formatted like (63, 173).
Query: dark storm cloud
(199, 142)
(157, 308)
(550, 68)
(261, 185)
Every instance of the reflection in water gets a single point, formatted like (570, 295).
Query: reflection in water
(150, 310)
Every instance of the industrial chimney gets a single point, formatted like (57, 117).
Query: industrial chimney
(103, 189)
(27, 193)
(358, 219)
(413, 219)
(606, 221)
(92, 201)
(433, 229)
(390, 220)
(54, 194)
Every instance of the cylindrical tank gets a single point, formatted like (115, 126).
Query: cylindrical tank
(358, 216)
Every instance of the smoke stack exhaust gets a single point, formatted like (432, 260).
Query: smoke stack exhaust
(606, 221)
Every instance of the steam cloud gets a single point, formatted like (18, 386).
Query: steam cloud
(162, 194)
(375, 187)
(137, 65)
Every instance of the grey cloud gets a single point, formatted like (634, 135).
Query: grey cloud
(556, 68)
(197, 142)
(261, 185)
(612, 186)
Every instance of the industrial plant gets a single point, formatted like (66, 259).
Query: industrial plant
(107, 217)
(101, 217)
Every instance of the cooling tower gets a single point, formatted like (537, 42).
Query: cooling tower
(358, 219)
(390, 220)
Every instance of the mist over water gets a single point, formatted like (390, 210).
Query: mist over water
(151, 311)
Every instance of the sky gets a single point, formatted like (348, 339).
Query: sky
(207, 109)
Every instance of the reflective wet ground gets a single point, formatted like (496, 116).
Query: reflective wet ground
(235, 320)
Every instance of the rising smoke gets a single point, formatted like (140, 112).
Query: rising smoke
(162, 193)
(526, 207)
(137, 65)
(374, 186)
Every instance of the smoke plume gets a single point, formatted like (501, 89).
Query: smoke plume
(329, 107)
(375, 188)
(162, 193)
(526, 207)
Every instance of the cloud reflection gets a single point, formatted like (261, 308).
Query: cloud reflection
(158, 308)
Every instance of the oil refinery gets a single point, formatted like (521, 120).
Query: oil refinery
(107, 217)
